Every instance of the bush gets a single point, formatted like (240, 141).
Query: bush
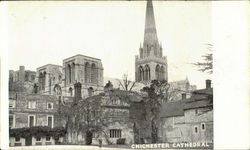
(121, 141)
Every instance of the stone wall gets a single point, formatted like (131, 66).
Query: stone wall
(22, 111)
(182, 128)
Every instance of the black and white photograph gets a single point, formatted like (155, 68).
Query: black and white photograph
(110, 75)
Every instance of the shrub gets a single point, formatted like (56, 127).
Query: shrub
(121, 141)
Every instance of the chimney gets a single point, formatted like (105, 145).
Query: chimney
(21, 73)
(208, 84)
(78, 91)
(183, 96)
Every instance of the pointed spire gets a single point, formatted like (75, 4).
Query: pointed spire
(150, 35)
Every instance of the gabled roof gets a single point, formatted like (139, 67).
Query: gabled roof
(200, 98)
(198, 104)
(172, 109)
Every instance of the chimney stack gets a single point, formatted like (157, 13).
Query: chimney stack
(21, 73)
(183, 96)
(208, 84)
(78, 91)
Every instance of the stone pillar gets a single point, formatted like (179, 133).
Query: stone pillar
(78, 92)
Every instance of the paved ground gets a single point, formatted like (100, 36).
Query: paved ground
(74, 147)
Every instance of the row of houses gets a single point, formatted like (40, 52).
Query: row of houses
(110, 116)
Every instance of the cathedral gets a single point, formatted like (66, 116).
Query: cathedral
(150, 64)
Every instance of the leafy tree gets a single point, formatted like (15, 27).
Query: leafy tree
(207, 64)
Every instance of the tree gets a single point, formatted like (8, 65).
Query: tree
(83, 117)
(126, 84)
(157, 93)
(207, 64)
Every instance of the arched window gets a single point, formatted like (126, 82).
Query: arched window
(43, 80)
(87, 72)
(93, 73)
(162, 73)
(157, 72)
(40, 81)
(147, 73)
(90, 91)
(69, 73)
(71, 91)
(73, 73)
(141, 74)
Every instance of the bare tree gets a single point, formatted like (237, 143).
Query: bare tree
(126, 84)
(207, 64)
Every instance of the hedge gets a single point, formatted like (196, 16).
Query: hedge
(37, 131)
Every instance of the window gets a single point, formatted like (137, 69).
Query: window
(203, 127)
(38, 138)
(71, 91)
(195, 129)
(31, 121)
(12, 103)
(32, 105)
(11, 121)
(49, 105)
(48, 138)
(50, 121)
(115, 101)
(196, 111)
(115, 133)
(17, 139)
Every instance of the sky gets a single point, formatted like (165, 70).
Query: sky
(47, 32)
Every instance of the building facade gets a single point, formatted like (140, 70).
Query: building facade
(189, 120)
(29, 114)
(150, 64)
(79, 68)
(86, 70)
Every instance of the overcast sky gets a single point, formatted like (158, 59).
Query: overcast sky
(48, 32)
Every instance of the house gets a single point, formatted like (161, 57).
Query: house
(33, 119)
(189, 120)
(105, 116)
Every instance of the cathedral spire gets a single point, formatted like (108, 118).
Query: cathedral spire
(150, 35)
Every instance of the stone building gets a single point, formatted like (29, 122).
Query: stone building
(150, 64)
(48, 76)
(79, 68)
(189, 120)
(105, 115)
(86, 70)
(22, 80)
(32, 118)
(181, 88)
(22, 75)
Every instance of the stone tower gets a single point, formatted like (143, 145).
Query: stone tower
(150, 64)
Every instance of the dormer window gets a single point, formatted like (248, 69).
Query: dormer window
(115, 101)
